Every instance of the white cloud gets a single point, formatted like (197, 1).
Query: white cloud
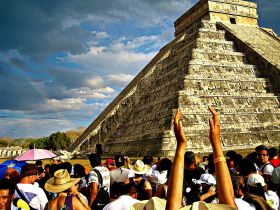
(100, 34)
(95, 82)
(120, 79)
(65, 104)
(122, 56)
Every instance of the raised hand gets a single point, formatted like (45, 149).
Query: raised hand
(214, 123)
(178, 128)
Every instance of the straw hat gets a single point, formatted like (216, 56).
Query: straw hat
(201, 205)
(139, 167)
(154, 203)
(60, 182)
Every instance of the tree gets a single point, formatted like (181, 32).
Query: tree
(58, 141)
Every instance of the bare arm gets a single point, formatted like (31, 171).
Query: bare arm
(93, 192)
(224, 184)
(175, 183)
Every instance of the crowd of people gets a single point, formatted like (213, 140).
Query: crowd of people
(218, 181)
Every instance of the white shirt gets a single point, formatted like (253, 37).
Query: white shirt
(266, 169)
(93, 177)
(124, 202)
(243, 205)
(272, 199)
(35, 195)
(120, 174)
(157, 177)
(276, 175)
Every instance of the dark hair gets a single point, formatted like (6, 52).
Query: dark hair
(148, 160)
(67, 166)
(259, 190)
(79, 171)
(247, 167)
(47, 166)
(189, 157)
(6, 184)
(165, 164)
(39, 162)
(261, 147)
(272, 151)
(94, 159)
(119, 160)
(253, 156)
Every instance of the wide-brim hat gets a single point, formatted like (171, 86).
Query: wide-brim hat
(139, 167)
(201, 205)
(154, 203)
(60, 182)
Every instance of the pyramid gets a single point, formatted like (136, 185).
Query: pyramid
(219, 56)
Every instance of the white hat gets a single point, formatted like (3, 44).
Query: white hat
(255, 179)
(139, 167)
(206, 179)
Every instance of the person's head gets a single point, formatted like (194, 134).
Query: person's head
(79, 171)
(262, 154)
(109, 163)
(205, 158)
(256, 184)
(148, 160)
(165, 164)
(247, 167)
(47, 168)
(13, 175)
(29, 173)
(119, 160)
(67, 166)
(62, 182)
(272, 152)
(7, 191)
(39, 163)
(139, 168)
(189, 158)
(238, 186)
(94, 159)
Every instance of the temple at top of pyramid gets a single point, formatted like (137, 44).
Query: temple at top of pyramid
(220, 57)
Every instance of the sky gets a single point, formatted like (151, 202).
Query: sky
(63, 61)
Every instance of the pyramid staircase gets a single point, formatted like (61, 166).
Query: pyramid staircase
(198, 68)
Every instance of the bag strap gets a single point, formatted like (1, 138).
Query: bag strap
(265, 166)
(100, 179)
(23, 197)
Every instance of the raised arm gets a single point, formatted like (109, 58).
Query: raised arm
(224, 184)
(175, 183)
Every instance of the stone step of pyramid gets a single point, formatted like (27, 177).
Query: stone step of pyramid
(219, 56)
(208, 44)
(222, 71)
(203, 85)
(211, 34)
(208, 24)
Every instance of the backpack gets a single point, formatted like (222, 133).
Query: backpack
(102, 198)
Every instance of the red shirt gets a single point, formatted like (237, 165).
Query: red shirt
(275, 162)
